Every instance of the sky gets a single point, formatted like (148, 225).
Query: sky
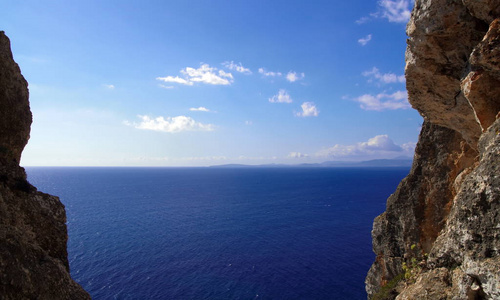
(199, 83)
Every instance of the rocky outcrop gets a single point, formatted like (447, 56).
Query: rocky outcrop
(33, 235)
(441, 227)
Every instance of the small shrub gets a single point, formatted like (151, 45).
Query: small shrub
(388, 291)
(413, 268)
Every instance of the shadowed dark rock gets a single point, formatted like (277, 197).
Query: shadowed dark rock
(33, 235)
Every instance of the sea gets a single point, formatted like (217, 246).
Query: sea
(220, 233)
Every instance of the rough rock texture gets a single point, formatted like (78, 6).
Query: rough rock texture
(443, 221)
(416, 211)
(33, 236)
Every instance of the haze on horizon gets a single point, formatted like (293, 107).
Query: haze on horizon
(197, 83)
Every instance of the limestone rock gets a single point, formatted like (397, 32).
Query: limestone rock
(471, 237)
(33, 235)
(486, 10)
(431, 285)
(417, 211)
(482, 85)
(445, 215)
(442, 36)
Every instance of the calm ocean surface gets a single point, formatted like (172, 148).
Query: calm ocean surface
(209, 233)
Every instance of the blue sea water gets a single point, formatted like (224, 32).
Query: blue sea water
(216, 233)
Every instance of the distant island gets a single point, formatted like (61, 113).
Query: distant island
(395, 162)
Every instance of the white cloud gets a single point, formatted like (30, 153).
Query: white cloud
(384, 77)
(281, 97)
(292, 76)
(168, 87)
(380, 144)
(201, 108)
(380, 102)
(236, 67)
(395, 11)
(308, 110)
(269, 74)
(204, 74)
(109, 86)
(175, 79)
(170, 124)
(297, 155)
(409, 147)
(208, 75)
(365, 40)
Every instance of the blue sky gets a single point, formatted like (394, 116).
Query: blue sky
(196, 83)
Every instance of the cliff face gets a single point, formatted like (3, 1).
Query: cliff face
(33, 236)
(441, 227)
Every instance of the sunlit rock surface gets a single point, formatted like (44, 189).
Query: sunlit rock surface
(446, 213)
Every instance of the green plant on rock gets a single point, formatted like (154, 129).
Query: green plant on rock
(388, 291)
(411, 270)
(414, 267)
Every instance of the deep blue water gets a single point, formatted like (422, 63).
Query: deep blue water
(207, 233)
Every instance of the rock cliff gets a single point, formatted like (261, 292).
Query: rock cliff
(439, 237)
(33, 236)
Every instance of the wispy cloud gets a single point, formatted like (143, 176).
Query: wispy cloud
(204, 74)
(201, 108)
(175, 79)
(380, 144)
(208, 75)
(363, 20)
(109, 86)
(297, 155)
(382, 101)
(236, 67)
(248, 123)
(167, 87)
(365, 40)
(281, 97)
(269, 73)
(395, 11)
(409, 147)
(374, 73)
(170, 124)
(293, 76)
(308, 110)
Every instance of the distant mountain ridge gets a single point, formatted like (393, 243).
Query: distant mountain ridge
(395, 162)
